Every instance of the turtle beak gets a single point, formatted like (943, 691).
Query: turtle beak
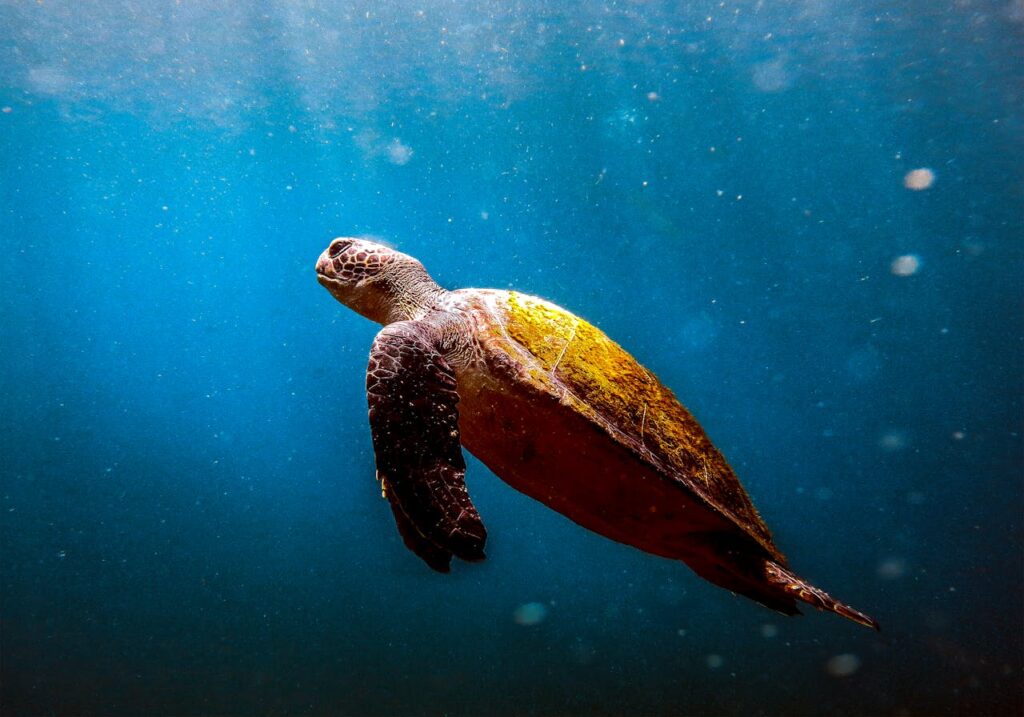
(323, 264)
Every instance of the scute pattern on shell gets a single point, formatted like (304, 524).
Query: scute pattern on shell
(603, 381)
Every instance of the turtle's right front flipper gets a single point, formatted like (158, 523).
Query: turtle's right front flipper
(414, 420)
(433, 555)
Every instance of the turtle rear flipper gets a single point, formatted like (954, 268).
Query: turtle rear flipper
(744, 578)
(737, 564)
(805, 592)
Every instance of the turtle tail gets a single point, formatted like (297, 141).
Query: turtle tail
(800, 589)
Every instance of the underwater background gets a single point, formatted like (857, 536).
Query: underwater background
(806, 217)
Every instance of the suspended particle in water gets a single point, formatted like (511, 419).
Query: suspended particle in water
(842, 665)
(769, 631)
(772, 75)
(531, 613)
(918, 179)
(892, 441)
(892, 568)
(905, 265)
(399, 153)
(714, 661)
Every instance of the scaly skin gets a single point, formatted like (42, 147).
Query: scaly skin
(414, 419)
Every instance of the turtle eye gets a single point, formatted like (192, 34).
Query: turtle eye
(338, 246)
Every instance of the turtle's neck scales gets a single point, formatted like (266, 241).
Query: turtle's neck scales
(407, 293)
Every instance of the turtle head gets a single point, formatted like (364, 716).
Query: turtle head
(379, 282)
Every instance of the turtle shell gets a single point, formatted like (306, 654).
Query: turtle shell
(600, 379)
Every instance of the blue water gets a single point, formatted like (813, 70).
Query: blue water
(190, 524)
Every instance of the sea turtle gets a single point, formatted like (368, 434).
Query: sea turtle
(556, 409)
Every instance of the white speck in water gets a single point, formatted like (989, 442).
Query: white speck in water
(918, 179)
(842, 665)
(61, 554)
(772, 75)
(769, 630)
(399, 153)
(892, 441)
(892, 568)
(531, 613)
(905, 265)
(714, 661)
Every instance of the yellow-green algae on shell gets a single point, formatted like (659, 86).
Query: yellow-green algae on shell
(610, 383)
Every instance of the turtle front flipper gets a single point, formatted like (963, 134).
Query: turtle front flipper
(414, 420)
(433, 555)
